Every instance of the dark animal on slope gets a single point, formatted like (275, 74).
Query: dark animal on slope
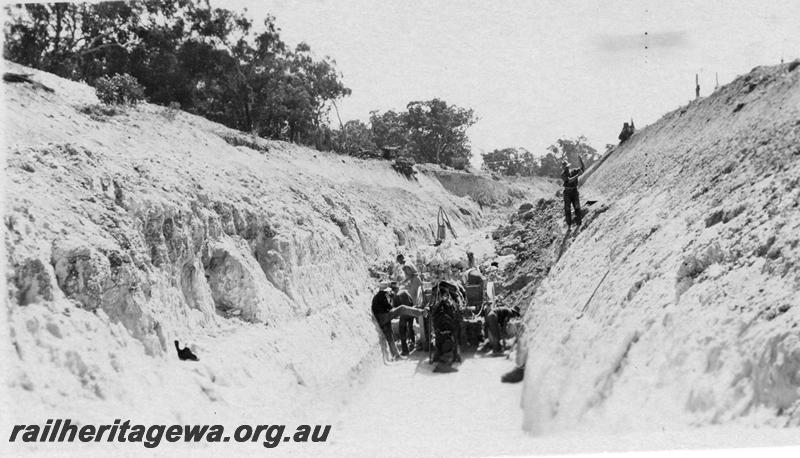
(24, 78)
(185, 353)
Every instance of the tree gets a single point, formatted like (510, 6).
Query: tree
(510, 161)
(207, 59)
(71, 40)
(355, 140)
(549, 166)
(566, 149)
(388, 129)
(437, 132)
(572, 149)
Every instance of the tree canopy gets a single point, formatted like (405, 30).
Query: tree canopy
(437, 132)
(209, 60)
(569, 150)
(431, 131)
(511, 161)
(215, 64)
(519, 161)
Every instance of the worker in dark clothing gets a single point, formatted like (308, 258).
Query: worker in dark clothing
(473, 275)
(383, 311)
(495, 321)
(627, 132)
(571, 198)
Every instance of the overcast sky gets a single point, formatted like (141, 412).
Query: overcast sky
(536, 71)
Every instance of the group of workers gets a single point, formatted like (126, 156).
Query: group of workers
(405, 300)
(406, 304)
(405, 296)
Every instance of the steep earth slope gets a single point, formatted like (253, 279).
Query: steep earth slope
(679, 304)
(128, 229)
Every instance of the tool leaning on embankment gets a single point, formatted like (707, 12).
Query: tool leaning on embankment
(442, 224)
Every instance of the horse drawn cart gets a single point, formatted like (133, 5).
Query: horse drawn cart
(456, 318)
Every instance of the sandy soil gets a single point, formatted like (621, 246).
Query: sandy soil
(129, 228)
(678, 303)
(415, 411)
(668, 321)
(406, 409)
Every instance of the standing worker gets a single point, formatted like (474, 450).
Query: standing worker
(402, 298)
(570, 177)
(626, 133)
(413, 285)
(384, 311)
(473, 275)
(397, 273)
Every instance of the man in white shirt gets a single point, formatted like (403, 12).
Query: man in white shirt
(413, 285)
(397, 269)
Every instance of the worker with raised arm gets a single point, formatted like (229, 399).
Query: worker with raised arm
(571, 197)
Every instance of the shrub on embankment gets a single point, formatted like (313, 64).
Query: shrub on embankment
(119, 90)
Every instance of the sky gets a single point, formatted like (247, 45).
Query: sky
(536, 71)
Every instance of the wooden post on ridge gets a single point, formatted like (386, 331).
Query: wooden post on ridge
(696, 86)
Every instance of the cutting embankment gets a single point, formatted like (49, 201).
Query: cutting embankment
(128, 229)
(677, 304)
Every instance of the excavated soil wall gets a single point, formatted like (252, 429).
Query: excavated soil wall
(130, 228)
(678, 304)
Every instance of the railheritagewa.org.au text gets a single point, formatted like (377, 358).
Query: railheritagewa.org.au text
(151, 436)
